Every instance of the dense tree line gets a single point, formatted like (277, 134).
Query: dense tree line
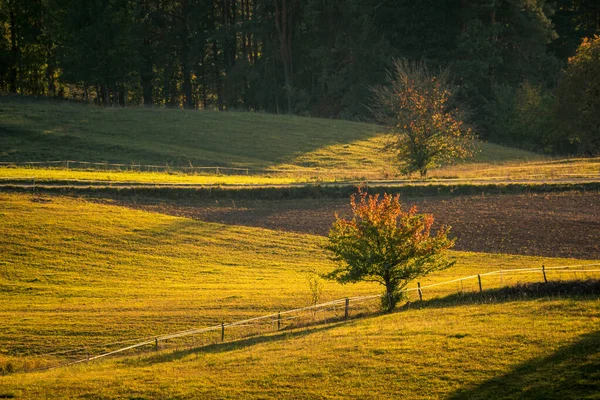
(311, 57)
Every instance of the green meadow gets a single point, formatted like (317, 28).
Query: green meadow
(34, 131)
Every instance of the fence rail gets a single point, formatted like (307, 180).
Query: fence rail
(222, 170)
(338, 309)
(73, 164)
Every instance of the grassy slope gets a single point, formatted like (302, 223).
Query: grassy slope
(77, 273)
(569, 169)
(33, 130)
(46, 130)
(73, 176)
(544, 349)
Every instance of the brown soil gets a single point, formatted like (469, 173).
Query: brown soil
(555, 225)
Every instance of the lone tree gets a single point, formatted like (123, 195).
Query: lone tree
(415, 107)
(385, 244)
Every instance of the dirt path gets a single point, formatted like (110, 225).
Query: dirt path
(556, 225)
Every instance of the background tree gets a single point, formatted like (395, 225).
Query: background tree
(578, 96)
(523, 117)
(415, 107)
(383, 243)
(312, 57)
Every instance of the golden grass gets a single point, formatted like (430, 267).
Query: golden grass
(536, 349)
(567, 170)
(545, 169)
(54, 174)
(76, 273)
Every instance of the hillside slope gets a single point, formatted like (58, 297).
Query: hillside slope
(77, 273)
(47, 130)
(536, 349)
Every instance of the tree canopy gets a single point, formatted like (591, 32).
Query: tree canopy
(383, 243)
(415, 107)
(579, 99)
(287, 56)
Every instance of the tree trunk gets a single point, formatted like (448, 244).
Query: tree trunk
(14, 52)
(284, 16)
(166, 84)
(147, 89)
(147, 76)
(188, 101)
(187, 86)
(218, 86)
(389, 302)
(106, 95)
(200, 73)
(50, 71)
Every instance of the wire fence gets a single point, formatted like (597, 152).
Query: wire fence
(167, 168)
(286, 321)
(553, 172)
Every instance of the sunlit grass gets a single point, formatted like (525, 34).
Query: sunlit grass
(54, 174)
(76, 273)
(543, 169)
(566, 170)
(544, 348)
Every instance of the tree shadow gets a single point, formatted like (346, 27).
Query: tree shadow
(572, 372)
(573, 289)
(250, 139)
(239, 344)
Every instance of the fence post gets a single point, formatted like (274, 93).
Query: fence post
(347, 308)
(278, 320)
(217, 170)
(155, 344)
(544, 272)
(67, 164)
(222, 331)
(479, 279)
(420, 291)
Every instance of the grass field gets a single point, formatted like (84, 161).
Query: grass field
(587, 169)
(76, 273)
(74, 176)
(545, 349)
(46, 130)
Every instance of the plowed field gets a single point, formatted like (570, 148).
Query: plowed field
(555, 225)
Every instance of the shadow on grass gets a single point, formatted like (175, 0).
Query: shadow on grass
(572, 372)
(572, 289)
(582, 289)
(236, 344)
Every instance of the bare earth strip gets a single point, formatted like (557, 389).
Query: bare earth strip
(554, 225)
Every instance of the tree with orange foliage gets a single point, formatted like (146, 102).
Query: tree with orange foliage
(415, 107)
(385, 244)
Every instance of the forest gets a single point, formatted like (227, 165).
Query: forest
(321, 58)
